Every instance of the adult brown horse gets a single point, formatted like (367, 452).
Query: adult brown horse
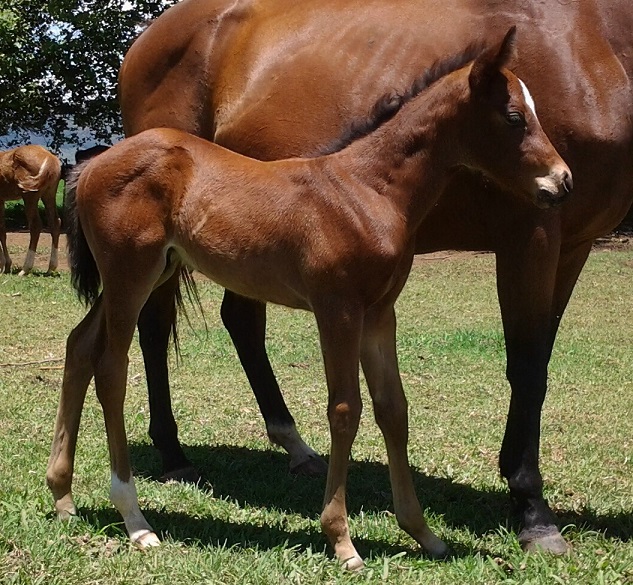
(336, 237)
(283, 78)
(30, 173)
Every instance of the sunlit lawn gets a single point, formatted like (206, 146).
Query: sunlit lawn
(253, 522)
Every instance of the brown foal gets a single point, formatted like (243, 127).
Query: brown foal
(334, 235)
(30, 173)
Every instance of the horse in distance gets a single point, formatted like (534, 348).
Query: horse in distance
(337, 237)
(30, 173)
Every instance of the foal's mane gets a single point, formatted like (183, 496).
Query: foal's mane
(389, 104)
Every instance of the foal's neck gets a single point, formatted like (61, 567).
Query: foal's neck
(408, 159)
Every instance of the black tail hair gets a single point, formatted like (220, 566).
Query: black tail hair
(85, 276)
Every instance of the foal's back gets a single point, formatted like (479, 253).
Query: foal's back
(233, 218)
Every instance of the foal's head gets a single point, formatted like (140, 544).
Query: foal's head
(505, 136)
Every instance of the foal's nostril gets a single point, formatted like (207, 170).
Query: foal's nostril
(568, 182)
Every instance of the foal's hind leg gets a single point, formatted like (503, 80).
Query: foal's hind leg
(122, 305)
(245, 320)
(380, 365)
(83, 343)
(35, 229)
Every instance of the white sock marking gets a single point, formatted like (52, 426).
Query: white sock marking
(123, 496)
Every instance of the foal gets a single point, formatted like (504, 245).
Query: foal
(333, 235)
(30, 173)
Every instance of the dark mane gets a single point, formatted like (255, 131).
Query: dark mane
(391, 102)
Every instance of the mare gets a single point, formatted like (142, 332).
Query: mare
(30, 173)
(283, 78)
(337, 238)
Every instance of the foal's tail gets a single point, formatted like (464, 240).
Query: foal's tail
(85, 276)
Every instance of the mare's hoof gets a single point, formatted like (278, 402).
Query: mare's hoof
(314, 466)
(22, 273)
(436, 548)
(551, 542)
(354, 563)
(145, 539)
(183, 475)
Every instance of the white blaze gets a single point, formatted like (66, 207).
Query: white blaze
(529, 100)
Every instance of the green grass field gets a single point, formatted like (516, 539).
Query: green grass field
(253, 522)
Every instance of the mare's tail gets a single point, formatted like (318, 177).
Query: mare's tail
(85, 276)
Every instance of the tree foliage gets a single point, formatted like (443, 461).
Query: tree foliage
(59, 61)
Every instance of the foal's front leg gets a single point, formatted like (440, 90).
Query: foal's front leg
(340, 332)
(380, 365)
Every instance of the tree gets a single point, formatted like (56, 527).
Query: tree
(59, 61)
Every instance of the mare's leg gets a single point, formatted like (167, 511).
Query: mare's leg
(380, 365)
(54, 224)
(84, 342)
(526, 277)
(154, 326)
(5, 259)
(35, 229)
(245, 320)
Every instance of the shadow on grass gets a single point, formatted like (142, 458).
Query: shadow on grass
(260, 479)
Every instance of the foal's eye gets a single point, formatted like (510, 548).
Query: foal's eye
(515, 119)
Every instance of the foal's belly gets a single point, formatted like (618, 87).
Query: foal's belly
(262, 277)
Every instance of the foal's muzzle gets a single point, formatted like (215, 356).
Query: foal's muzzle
(555, 188)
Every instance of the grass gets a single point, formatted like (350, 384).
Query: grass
(253, 522)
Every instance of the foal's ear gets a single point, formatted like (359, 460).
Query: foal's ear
(491, 60)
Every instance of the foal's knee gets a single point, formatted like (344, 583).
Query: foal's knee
(344, 417)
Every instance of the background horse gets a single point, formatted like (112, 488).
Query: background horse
(30, 173)
(336, 238)
(283, 78)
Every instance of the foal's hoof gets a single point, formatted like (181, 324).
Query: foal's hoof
(551, 542)
(65, 508)
(184, 475)
(314, 466)
(145, 539)
(22, 273)
(354, 563)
